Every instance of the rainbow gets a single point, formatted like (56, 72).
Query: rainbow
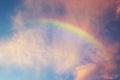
(73, 29)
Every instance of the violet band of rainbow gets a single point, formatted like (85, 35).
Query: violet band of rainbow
(75, 30)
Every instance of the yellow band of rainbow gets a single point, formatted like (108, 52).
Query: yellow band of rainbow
(75, 30)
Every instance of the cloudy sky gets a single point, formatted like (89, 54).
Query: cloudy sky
(33, 46)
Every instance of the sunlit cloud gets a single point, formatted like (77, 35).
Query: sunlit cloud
(83, 71)
(29, 47)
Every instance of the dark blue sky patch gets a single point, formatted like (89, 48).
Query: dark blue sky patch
(108, 16)
(118, 78)
(60, 9)
(112, 31)
(111, 27)
(7, 9)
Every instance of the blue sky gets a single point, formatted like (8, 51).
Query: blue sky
(16, 74)
(7, 9)
(110, 30)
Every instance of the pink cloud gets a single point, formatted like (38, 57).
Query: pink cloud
(28, 47)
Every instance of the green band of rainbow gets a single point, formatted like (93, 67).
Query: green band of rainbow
(73, 29)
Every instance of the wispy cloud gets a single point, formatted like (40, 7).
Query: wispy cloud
(28, 47)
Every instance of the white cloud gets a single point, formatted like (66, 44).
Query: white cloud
(28, 48)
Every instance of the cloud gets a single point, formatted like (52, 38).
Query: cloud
(29, 49)
(118, 10)
(82, 11)
(83, 71)
(86, 14)
(29, 46)
(18, 20)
